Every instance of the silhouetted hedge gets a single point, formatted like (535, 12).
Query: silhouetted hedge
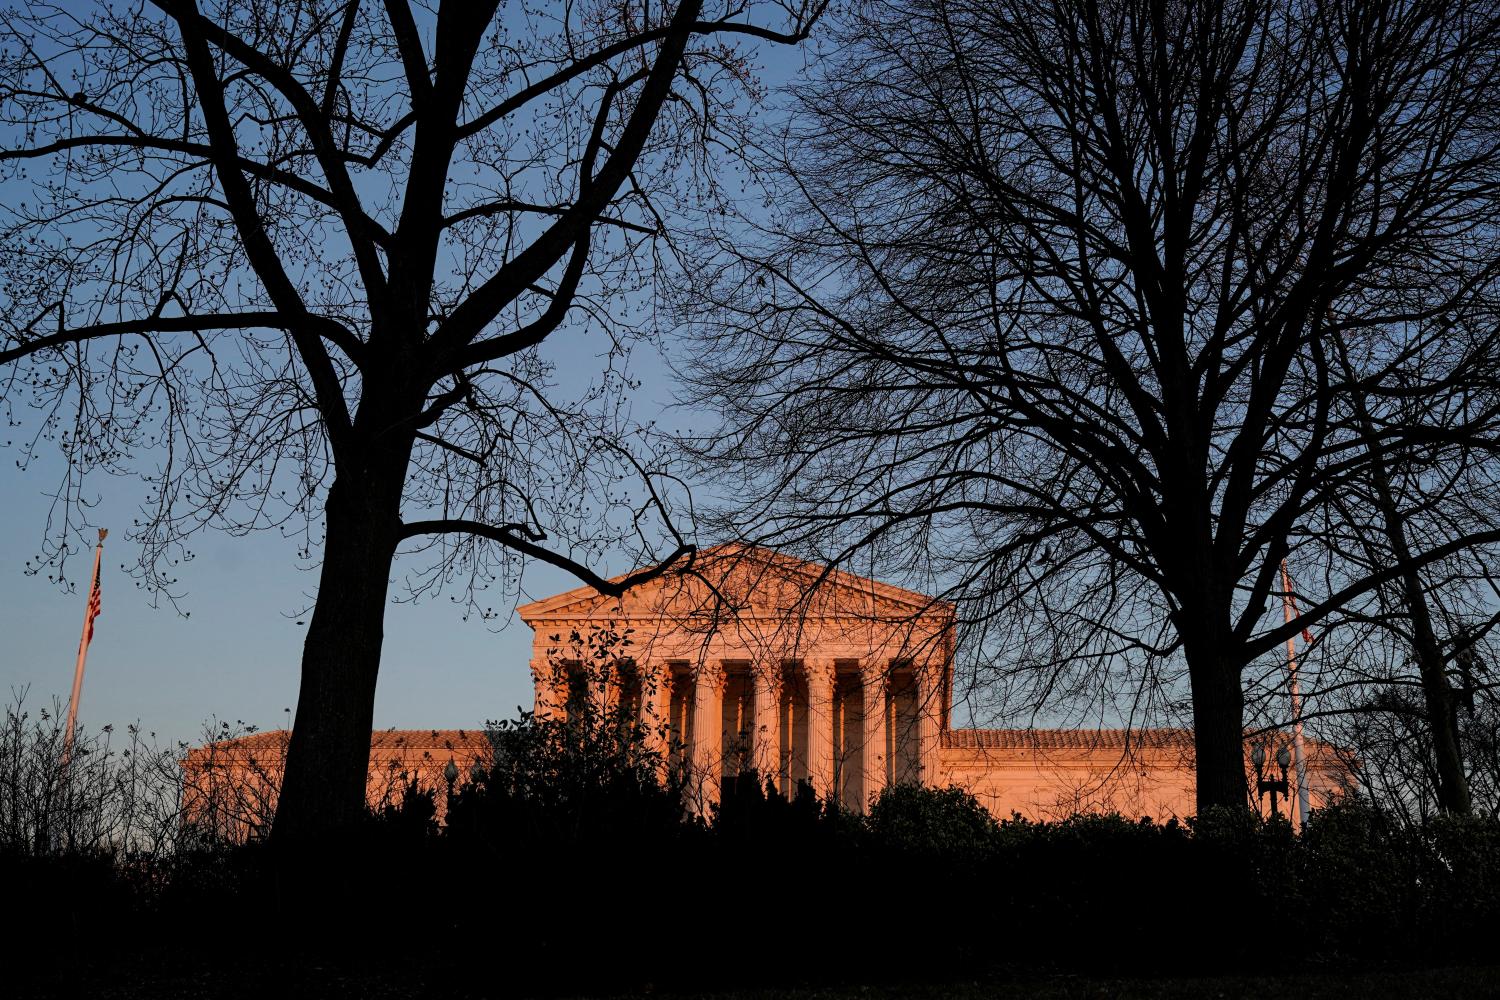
(570, 865)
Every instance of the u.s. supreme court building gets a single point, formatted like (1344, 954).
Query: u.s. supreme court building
(755, 660)
(817, 676)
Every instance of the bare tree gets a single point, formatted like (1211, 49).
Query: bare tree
(291, 262)
(1046, 307)
(104, 795)
(1407, 502)
(1374, 710)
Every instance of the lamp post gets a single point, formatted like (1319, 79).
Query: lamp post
(1273, 786)
(450, 775)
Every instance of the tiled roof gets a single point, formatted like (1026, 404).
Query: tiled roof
(1068, 739)
(380, 739)
(1117, 740)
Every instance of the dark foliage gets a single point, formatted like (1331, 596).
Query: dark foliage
(568, 788)
(945, 822)
(568, 865)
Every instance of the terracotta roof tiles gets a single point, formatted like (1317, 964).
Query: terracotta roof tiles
(1116, 740)
(380, 739)
(1067, 739)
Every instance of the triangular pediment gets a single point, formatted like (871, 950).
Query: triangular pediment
(743, 582)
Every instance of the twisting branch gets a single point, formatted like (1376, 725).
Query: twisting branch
(526, 539)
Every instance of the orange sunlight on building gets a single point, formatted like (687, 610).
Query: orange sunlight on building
(744, 664)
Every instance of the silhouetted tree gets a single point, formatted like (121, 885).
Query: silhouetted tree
(1374, 708)
(291, 262)
(1045, 309)
(1405, 502)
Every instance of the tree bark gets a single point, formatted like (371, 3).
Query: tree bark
(1452, 783)
(1218, 729)
(328, 757)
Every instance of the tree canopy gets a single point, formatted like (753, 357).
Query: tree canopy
(292, 262)
(1094, 313)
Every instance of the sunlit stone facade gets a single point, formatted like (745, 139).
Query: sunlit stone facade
(744, 663)
(230, 786)
(845, 685)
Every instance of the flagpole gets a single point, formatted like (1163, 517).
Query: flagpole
(1290, 614)
(90, 612)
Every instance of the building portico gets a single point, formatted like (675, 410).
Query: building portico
(745, 665)
(808, 675)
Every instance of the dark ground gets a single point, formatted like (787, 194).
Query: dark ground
(314, 981)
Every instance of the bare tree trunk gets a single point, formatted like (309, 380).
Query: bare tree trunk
(1452, 784)
(1218, 728)
(327, 763)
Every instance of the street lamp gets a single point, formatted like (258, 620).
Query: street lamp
(1274, 786)
(451, 773)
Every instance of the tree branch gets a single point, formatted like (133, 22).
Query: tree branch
(508, 537)
(329, 329)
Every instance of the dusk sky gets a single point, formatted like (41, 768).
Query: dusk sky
(236, 655)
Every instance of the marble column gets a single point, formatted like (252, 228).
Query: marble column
(872, 757)
(707, 751)
(765, 734)
(550, 696)
(929, 720)
(818, 673)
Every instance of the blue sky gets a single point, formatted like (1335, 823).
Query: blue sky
(235, 654)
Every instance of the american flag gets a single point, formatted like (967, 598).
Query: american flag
(1291, 599)
(83, 648)
(93, 612)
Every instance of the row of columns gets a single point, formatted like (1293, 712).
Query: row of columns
(707, 681)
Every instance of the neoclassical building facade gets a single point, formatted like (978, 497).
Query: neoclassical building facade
(745, 664)
(813, 675)
(754, 660)
(230, 786)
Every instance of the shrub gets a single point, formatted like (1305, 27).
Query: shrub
(1458, 888)
(582, 832)
(555, 785)
(942, 822)
(1357, 879)
(107, 796)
